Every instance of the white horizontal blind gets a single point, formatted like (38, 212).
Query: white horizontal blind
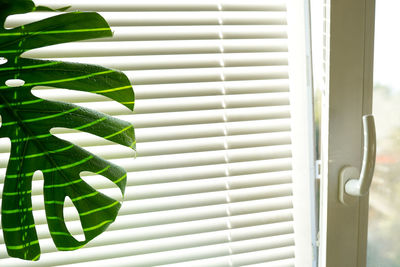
(211, 184)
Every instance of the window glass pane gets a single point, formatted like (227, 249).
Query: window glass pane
(384, 218)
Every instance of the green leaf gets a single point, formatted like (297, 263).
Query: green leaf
(27, 121)
(45, 8)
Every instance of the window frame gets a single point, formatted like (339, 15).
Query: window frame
(346, 97)
(303, 132)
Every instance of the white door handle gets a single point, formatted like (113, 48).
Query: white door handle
(349, 183)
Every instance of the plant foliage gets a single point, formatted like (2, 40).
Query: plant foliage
(27, 120)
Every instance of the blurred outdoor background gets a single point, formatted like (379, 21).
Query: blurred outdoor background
(384, 215)
(384, 218)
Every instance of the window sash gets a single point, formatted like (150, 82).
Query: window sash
(347, 96)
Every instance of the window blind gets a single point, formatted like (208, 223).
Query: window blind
(211, 181)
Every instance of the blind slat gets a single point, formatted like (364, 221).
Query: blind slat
(153, 62)
(91, 49)
(182, 132)
(227, 260)
(199, 172)
(203, 158)
(207, 74)
(217, 170)
(189, 145)
(208, 118)
(156, 259)
(215, 189)
(169, 18)
(193, 103)
(172, 90)
(278, 263)
(213, 251)
(180, 146)
(154, 33)
(157, 5)
(201, 184)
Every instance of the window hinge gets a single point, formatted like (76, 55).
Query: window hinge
(318, 169)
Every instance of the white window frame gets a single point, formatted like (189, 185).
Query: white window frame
(347, 96)
(303, 139)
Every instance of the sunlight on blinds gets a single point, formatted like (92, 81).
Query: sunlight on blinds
(211, 181)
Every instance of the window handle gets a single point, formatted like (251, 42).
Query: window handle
(349, 183)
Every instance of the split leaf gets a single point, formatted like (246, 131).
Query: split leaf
(27, 121)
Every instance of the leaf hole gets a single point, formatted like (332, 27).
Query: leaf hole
(15, 82)
(67, 95)
(72, 220)
(39, 214)
(5, 148)
(3, 60)
(18, 20)
(102, 184)
(101, 147)
(38, 175)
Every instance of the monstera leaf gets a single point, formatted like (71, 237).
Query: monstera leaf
(27, 120)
